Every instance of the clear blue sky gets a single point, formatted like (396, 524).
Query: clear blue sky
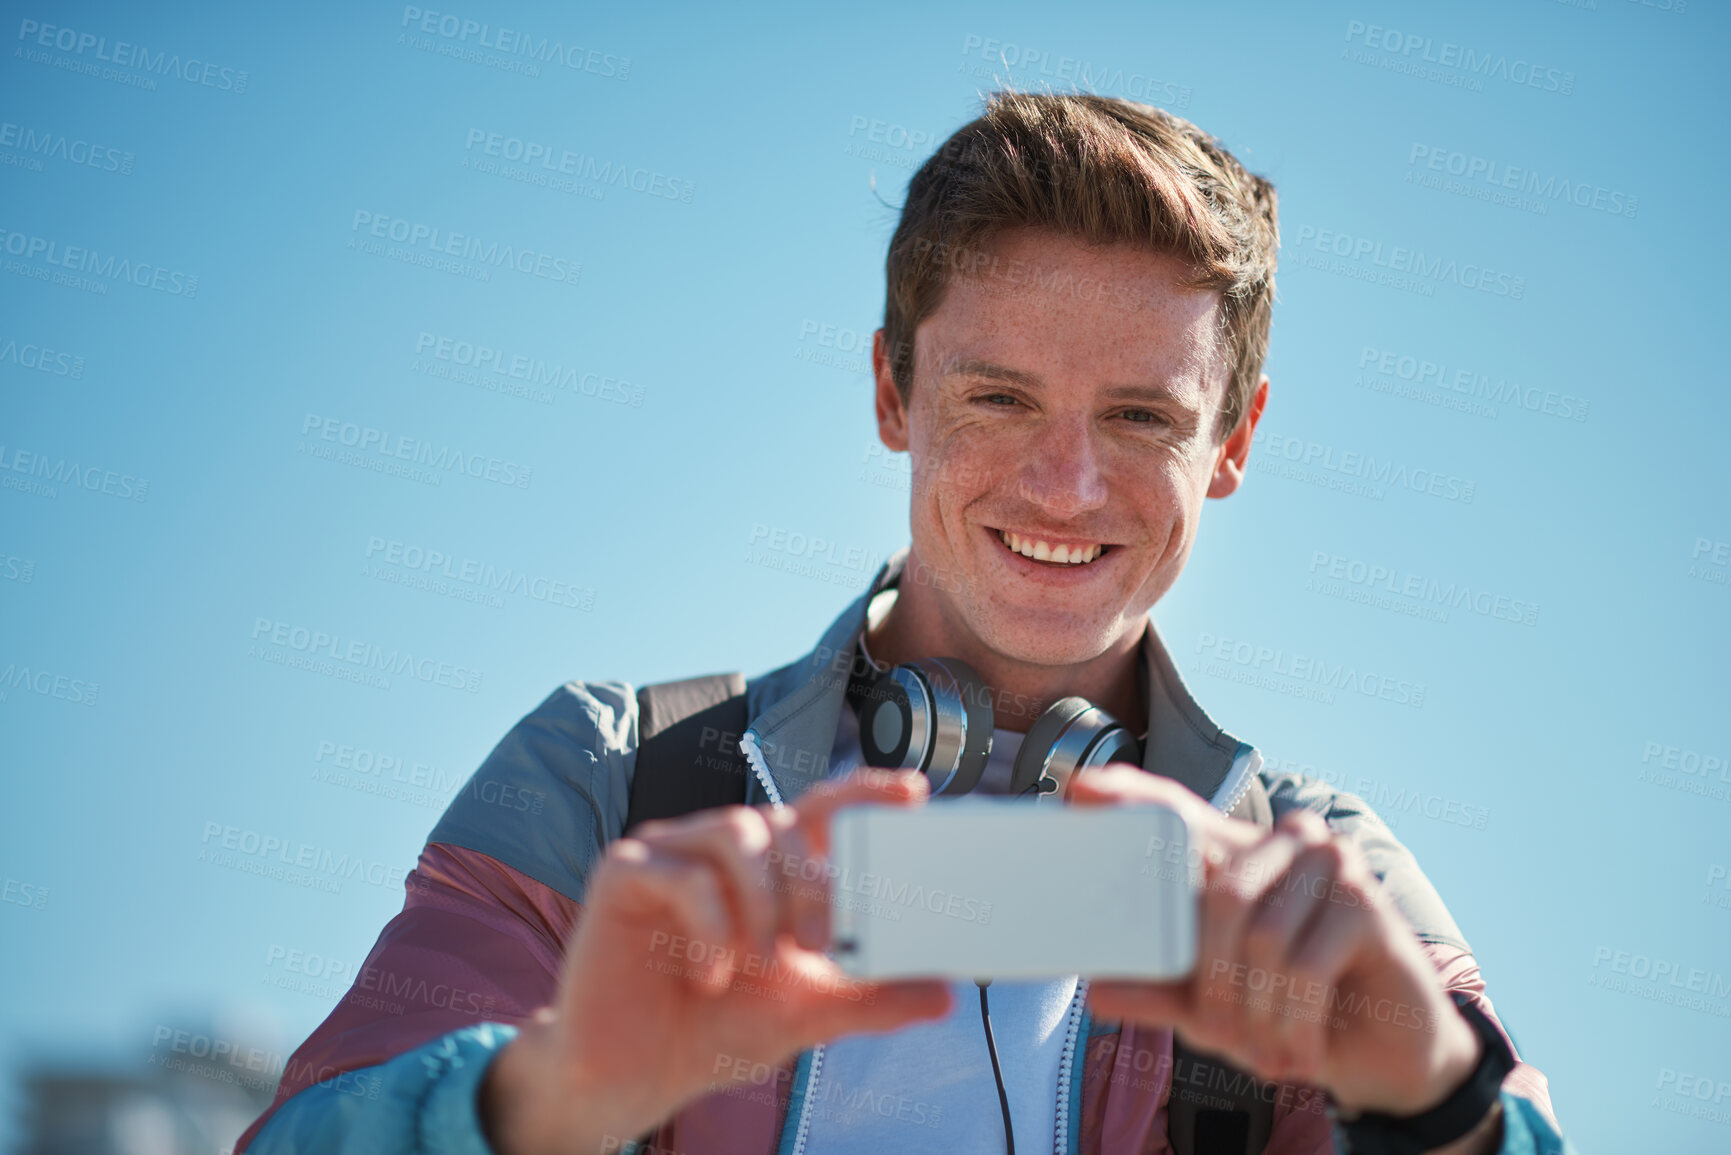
(1540, 340)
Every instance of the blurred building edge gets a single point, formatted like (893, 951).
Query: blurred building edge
(195, 1107)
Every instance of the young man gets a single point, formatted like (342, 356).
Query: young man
(1078, 311)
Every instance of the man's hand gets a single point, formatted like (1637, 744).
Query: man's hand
(1305, 972)
(698, 949)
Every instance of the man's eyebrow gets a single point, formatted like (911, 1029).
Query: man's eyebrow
(974, 367)
(1172, 392)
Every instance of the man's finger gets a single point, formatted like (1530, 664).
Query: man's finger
(816, 806)
(1122, 783)
(1227, 988)
(686, 891)
(1321, 957)
(797, 869)
(1290, 871)
(1150, 1004)
(735, 841)
(854, 1006)
(801, 882)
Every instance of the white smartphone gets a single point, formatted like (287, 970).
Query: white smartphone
(1006, 888)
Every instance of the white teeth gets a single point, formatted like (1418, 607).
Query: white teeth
(1042, 551)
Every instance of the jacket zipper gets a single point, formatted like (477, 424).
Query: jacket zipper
(802, 1125)
(754, 758)
(1067, 1069)
(1238, 776)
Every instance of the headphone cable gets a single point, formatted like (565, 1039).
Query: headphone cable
(997, 1072)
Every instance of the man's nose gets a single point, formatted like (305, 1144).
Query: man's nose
(1062, 474)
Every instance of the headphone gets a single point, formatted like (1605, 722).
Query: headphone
(934, 715)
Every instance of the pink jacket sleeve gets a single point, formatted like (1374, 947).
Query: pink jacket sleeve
(1298, 1131)
(476, 942)
(1460, 972)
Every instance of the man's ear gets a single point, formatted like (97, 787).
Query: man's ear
(892, 415)
(1235, 450)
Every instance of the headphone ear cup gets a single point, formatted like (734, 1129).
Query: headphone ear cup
(894, 713)
(1043, 735)
(1118, 745)
(964, 725)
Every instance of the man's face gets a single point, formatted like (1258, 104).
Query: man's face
(1071, 413)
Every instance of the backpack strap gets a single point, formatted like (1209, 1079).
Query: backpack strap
(1215, 1108)
(688, 755)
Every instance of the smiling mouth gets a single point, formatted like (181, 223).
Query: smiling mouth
(1064, 553)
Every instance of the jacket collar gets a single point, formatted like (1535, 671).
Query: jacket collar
(795, 711)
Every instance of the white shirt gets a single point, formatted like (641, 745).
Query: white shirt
(929, 1086)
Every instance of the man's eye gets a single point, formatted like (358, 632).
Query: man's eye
(1141, 416)
(999, 399)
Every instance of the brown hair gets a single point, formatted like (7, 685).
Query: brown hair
(1103, 169)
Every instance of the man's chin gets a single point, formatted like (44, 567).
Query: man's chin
(1054, 638)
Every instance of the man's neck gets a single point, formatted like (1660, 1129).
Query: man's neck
(915, 627)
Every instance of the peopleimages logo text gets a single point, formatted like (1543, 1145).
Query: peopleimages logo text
(126, 55)
(1483, 64)
(62, 471)
(367, 440)
(58, 146)
(82, 259)
(1499, 175)
(1414, 262)
(565, 162)
(1364, 467)
(364, 655)
(1308, 668)
(443, 242)
(514, 42)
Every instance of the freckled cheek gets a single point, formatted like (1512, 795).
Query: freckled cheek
(957, 473)
(936, 511)
(1164, 514)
